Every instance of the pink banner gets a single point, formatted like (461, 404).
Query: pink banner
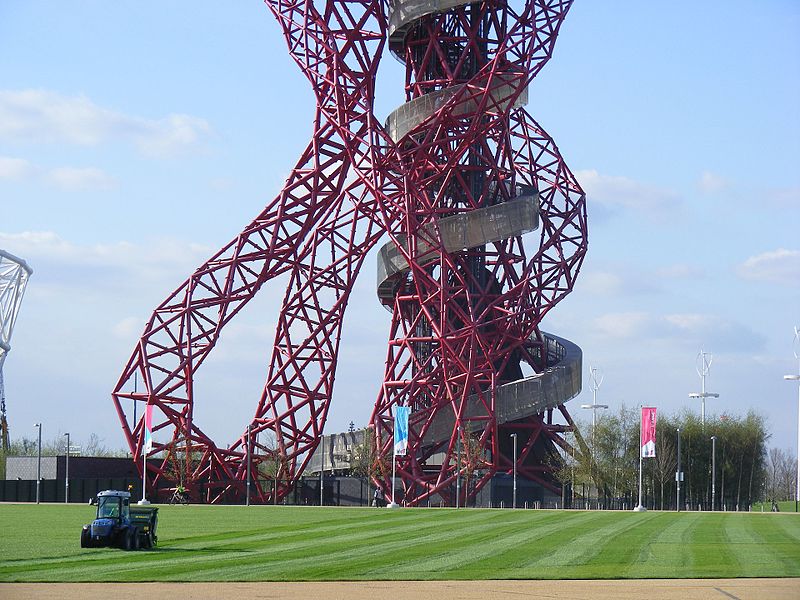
(148, 428)
(648, 433)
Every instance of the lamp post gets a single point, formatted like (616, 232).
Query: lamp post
(596, 380)
(678, 475)
(514, 492)
(38, 462)
(249, 458)
(322, 475)
(713, 472)
(458, 467)
(66, 473)
(703, 367)
(796, 349)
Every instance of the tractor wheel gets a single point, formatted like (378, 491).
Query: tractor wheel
(127, 540)
(136, 542)
(85, 538)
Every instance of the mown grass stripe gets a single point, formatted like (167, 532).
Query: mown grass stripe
(218, 543)
(783, 546)
(752, 555)
(190, 565)
(665, 551)
(494, 548)
(327, 563)
(791, 525)
(625, 548)
(589, 542)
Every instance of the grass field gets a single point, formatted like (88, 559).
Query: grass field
(783, 506)
(263, 543)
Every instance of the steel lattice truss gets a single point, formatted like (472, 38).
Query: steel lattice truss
(446, 178)
(14, 274)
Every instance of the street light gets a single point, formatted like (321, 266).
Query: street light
(249, 461)
(458, 467)
(514, 493)
(39, 462)
(596, 379)
(678, 475)
(713, 472)
(66, 473)
(322, 475)
(703, 367)
(796, 350)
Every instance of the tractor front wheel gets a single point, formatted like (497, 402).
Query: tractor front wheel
(86, 538)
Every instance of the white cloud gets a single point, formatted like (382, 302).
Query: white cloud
(719, 332)
(784, 197)
(39, 116)
(779, 266)
(688, 329)
(623, 325)
(90, 178)
(66, 178)
(711, 183)
(601, 283)
(615, 193)
(128, 328)
(681, 271)
(15, 168)
(62, 264)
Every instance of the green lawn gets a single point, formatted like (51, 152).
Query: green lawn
(259, 543)
(783, 506)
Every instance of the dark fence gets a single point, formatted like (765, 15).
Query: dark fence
(337, 491)
(53, 490)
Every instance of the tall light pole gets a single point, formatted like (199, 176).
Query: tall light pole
(249, 459)
(458, 467)
(66, 473)
(39, 462)
(322, 474)
(678, 475)
(514, 492)
(703, 367)
(796, 350)
(713, 472)
(596, 380)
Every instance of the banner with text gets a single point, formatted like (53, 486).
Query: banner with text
(648, 434)
(400, 430)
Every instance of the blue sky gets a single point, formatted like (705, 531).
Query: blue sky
(136, 138)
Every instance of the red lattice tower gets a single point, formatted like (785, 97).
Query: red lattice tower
(464, 316)
(468, 298)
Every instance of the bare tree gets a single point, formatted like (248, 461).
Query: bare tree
(666, 461)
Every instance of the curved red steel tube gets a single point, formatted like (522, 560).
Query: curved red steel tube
(461, 324)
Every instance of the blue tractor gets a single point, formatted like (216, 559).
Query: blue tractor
(119, 524)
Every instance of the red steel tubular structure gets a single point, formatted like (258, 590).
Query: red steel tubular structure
(455, 178)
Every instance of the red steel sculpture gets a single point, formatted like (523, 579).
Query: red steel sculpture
(455, 178)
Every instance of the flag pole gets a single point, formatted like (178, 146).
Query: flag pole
(394, 466)
(144, 476)
(147, 445)
(400, 442)
(639, 507)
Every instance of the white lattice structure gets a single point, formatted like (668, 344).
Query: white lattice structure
(14, 274)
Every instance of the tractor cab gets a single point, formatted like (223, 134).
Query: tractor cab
(114, 505)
